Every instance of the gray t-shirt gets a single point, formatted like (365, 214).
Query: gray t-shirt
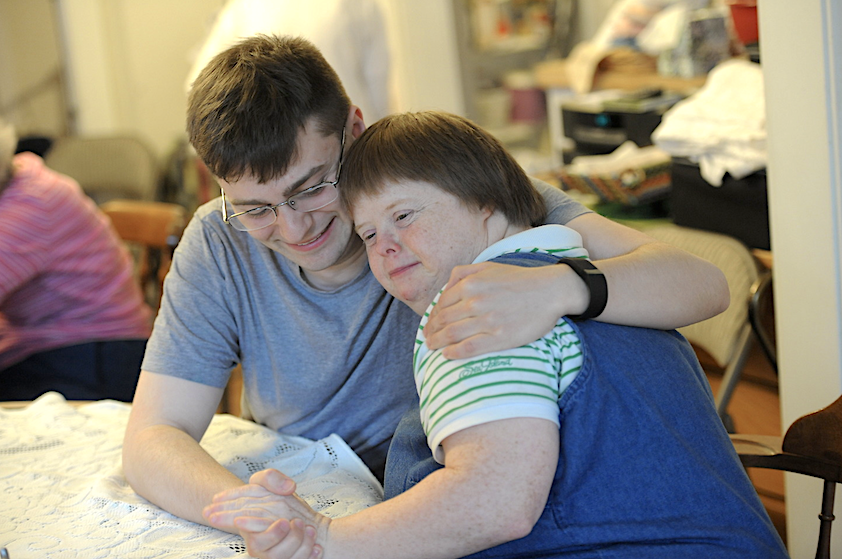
(314, 362)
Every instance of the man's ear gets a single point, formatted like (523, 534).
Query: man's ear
(355, 124)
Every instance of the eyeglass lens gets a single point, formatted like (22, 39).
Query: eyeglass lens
(309, 200)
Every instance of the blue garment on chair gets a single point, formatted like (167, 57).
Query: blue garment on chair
(88, 371)
(645, 468)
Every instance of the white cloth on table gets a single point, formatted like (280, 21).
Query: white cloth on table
(722, 127)
(63, 494)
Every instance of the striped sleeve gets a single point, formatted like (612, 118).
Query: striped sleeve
(522, 382)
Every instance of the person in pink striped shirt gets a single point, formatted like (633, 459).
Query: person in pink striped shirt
(72, 317)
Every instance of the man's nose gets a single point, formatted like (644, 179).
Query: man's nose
(292, 225)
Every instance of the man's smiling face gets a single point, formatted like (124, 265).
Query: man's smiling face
(321, 242)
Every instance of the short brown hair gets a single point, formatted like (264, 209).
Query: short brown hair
(447, 151)
(248, 105)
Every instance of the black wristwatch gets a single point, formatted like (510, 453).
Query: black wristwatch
(597, 286)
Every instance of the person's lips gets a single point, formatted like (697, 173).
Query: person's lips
(316, 241)
(399, 271)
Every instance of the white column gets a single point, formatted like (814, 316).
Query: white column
(801, 52)
(424, 55)
(86, 51)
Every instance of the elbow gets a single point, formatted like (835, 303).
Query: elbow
(520, 529)
(128, 463)
(712, 295)
(721, 294)
(520, 520)
(133, 453)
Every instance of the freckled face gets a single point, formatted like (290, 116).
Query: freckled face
(415, 234)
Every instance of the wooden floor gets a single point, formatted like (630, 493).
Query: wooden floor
(755, 409)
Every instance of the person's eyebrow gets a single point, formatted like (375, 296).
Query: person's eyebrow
(288, 191)
(358, 227)
(386, 210)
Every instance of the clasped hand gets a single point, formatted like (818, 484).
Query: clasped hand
(274, 522)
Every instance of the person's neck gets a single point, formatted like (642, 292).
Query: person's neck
(499, 228)
(352, 263)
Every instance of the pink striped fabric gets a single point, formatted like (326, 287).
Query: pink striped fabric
(65, 276)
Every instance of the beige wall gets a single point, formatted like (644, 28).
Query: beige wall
(127, 60)
(134, 84)
(153, 40)
(126, 63)
(30, 88)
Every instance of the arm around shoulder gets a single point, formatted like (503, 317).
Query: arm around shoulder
(490, 307)
(650, 283)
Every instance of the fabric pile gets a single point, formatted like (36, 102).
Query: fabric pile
(722, 127)
(63, 494)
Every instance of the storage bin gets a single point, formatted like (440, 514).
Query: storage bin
(738, 208)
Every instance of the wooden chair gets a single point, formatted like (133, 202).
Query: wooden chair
(152, 230)
(811, 446)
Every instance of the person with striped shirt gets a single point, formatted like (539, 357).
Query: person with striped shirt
(72, 317)
(595, 440)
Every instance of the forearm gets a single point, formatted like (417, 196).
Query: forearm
(428, 522)
(659, 286)
(170, 469)
(162, 458)
(494, 493)
(650, 283)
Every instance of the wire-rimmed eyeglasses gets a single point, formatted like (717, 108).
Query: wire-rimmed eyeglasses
(308, 200)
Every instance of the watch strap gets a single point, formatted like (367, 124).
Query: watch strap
(595, 281)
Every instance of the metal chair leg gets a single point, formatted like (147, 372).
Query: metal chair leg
(733, 373)
(826, 518)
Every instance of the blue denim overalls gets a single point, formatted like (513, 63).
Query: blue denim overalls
(645, 467)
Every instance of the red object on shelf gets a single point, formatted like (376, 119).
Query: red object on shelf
(744, 15)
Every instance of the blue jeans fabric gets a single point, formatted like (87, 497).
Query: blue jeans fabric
(89, 371)
(645, 467)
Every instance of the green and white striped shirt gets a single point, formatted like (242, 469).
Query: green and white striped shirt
(522, 382)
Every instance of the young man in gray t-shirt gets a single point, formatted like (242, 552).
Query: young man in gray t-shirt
(273, 277)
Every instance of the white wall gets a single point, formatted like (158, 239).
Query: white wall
(127, 64)
(91, 90)
(801, 50)
(30, 88)
(424, 55)
(129, 59)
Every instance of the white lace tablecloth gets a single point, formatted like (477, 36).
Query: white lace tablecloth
(63, 494)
